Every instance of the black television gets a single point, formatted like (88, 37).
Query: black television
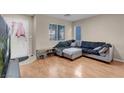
(4, 47)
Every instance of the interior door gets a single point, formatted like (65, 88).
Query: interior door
(77, 33)
(19, 44)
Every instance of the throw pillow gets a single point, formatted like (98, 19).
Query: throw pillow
(78, 43)
(73, 44)
(97, 48)
(103, 50)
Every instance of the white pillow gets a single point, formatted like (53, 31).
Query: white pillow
(103, 50)
(73, 44)
(78, 43)
(97, 48)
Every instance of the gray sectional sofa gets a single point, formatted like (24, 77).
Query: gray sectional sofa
(73, 49)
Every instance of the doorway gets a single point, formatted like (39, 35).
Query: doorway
(77, 32)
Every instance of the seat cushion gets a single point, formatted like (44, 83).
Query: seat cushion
(71, 51)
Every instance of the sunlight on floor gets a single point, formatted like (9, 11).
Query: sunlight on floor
(78, 71)
(53, 71)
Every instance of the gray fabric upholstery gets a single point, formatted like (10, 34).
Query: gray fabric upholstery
(72, 54)
(108, 57)
(59, 51)
(88, 50)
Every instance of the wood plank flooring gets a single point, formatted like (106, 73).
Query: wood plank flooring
(57, 67)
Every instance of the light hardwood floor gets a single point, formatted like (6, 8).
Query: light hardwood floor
(57, 67)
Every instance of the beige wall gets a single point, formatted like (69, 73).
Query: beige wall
(108, 28)
(42, 30)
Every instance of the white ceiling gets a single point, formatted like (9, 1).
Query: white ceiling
(73, 17)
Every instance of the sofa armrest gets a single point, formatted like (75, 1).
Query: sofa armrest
(109, 56)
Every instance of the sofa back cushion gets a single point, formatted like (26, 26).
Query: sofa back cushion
(91, 45)
(69, 42)
(78, 43)
(61, 44)
(64, 44)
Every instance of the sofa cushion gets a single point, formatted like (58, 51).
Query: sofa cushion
(71, 51)
(78, 43)
(61, 44)
(64, 44)
(107, 45)
(69, 42)
(59, 50)
(90, 51)
(103, 50)
(73, 44)
(98, 48)
(91, 45)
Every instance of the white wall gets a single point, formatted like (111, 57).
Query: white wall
(21, 46)
(108, 28)
(42, 30)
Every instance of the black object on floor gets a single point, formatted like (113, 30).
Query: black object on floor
(23, 58)
(20, 59)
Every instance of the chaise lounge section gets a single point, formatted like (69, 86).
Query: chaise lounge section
(72, 53)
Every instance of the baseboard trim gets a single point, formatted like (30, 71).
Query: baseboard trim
(120, 60)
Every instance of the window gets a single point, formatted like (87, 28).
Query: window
(56, 32)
